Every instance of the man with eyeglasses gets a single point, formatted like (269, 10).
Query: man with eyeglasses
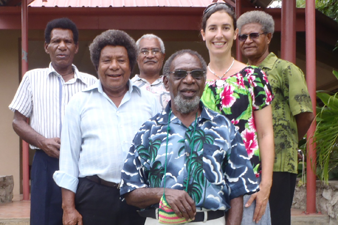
(291, 108)
(150, 61)
(188, 163)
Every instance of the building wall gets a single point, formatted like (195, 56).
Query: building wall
(9, 75)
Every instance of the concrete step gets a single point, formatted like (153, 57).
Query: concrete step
(17, 213)
(298, 217)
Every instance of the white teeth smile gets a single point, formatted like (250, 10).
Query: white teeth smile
(218, 43)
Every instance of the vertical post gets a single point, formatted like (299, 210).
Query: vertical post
(24, 68)
(238, 11)
(310, 28)
(288, 32)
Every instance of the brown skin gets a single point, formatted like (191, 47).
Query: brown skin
(50, 146)
(256, 50)
(150, 65)
(182, 204)
(304, 121)
(61, 50)
(70, 215)
(114, 72)
(179, 200)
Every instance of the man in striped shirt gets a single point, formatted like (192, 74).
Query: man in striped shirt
(42, 97)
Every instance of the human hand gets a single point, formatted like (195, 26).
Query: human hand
(51, 146)
(182, 204)
(262, 198)
(71, 217)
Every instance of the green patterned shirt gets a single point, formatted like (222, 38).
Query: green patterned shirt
(291, 98)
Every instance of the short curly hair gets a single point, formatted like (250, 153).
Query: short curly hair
(255, 16)
(113, 38)
(167, 64)
(62, 23)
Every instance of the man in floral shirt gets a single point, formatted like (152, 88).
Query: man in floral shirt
(291, 108)
(189, 157)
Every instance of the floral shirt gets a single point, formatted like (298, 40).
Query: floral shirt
(291, 98)
(157, 88)
(237, 97)
(219, 166)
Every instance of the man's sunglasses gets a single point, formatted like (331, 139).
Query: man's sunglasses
(181, 74)
(252, 36)
(211, 6)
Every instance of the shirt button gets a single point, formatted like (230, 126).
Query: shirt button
(188, 154)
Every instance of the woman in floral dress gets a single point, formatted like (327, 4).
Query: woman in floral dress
(241, 93)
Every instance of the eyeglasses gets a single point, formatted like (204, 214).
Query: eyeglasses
(211, 6)
(181, 74)
(153, 51)
(252, 36)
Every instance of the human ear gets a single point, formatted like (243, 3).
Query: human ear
(166, 82)
(203, 34)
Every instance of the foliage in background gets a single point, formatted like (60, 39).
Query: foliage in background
(326, 135)
(328, 7)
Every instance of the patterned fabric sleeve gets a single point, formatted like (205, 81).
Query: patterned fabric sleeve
(238, 171)
(259, 88)
(295, 90)
(132, 175)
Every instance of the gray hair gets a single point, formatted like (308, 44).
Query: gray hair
(264, 19)
(167, 64)
(149, 36)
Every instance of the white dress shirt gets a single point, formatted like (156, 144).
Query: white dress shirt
(157, 88)
(96, 135)
(43, 95)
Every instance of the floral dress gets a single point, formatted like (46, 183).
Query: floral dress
(237, 97)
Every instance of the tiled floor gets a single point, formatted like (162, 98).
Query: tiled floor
(15, 210)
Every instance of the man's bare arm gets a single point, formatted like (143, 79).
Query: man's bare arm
(182, 204)
(235, 213)
(304, 121)
(49, 145)
(70, 215)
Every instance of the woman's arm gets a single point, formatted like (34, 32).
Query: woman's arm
(263, 121)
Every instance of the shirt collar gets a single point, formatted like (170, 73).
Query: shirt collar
(157, 81)
(77, 74)
(269, 61)
(163, 117)
(131, 88)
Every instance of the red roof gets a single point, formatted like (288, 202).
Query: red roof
(120, 3)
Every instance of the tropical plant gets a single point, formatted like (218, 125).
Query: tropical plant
(326, 134)
(328, 7)
(156, 174)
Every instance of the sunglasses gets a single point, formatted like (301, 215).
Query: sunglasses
(181, 74)
(252, 36)
(213, 5)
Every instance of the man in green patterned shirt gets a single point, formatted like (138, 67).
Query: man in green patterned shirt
(291, 108)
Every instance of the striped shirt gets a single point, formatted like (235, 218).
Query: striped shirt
(96, 135)
(43, 95)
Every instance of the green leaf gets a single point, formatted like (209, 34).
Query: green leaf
(335, 73)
